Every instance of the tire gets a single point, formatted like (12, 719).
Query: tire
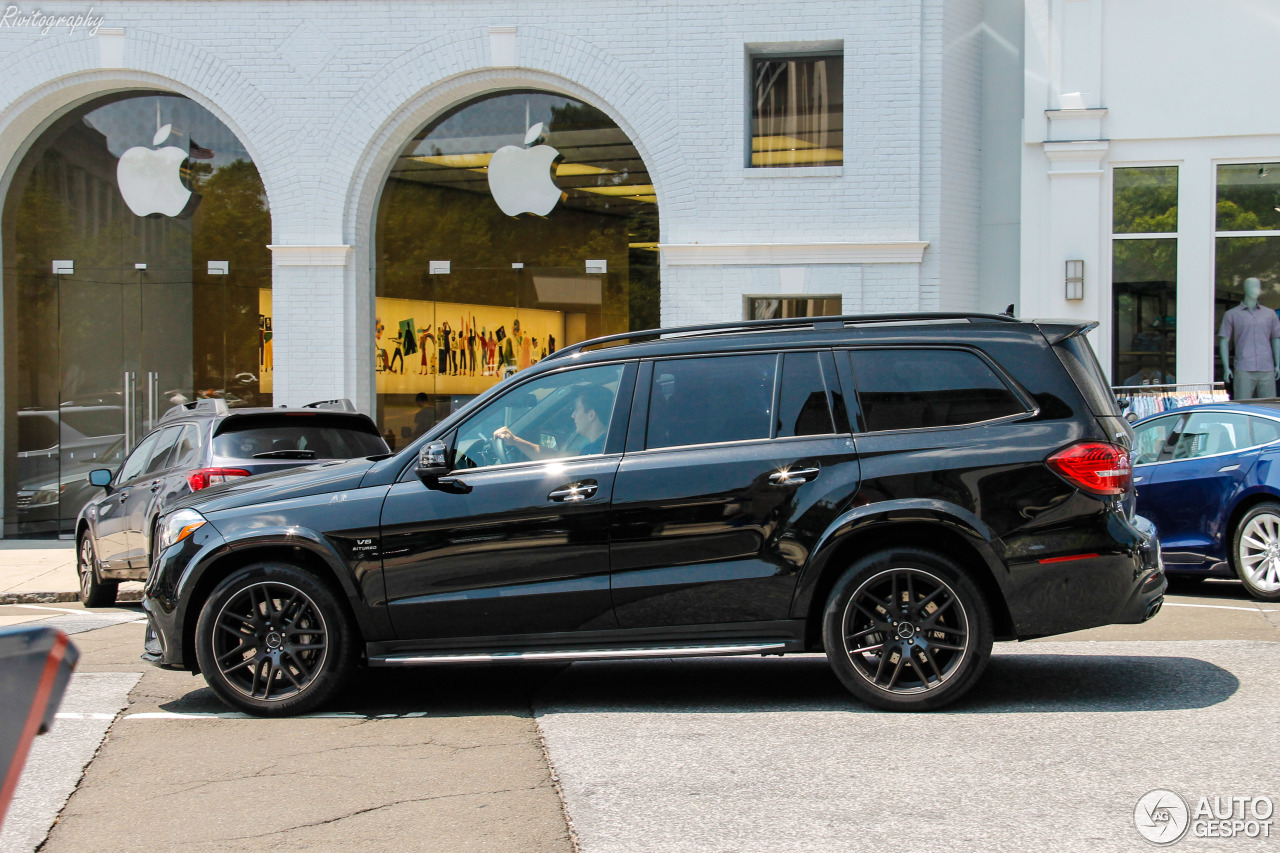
(273, 640)
(1255, 551)
(94, 591)
(923, 653)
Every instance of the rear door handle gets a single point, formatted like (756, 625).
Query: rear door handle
(574, 492)
(794, 476)
(1226, 468)
(156, 484)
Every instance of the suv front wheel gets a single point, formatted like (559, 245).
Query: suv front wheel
(274, 640)
(907, 630)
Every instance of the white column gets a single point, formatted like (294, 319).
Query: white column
(1076, 229)
(1197, 207)
(308, 284)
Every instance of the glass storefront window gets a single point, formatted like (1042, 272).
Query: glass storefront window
(1145, 200)
(1144, 276)
(781, 307)
(140, 192)
(509, 227)
(1248, 197)
(797, 110)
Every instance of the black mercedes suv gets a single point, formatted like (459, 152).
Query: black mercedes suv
(897, 491)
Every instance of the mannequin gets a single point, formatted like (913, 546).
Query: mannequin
(1254, 331)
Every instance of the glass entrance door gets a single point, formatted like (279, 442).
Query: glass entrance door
(102, 356)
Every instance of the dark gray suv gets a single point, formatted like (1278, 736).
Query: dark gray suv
(192, 447)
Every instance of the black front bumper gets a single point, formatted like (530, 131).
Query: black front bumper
(169, 590)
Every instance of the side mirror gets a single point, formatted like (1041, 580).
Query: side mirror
(433, 462)
(100, 477)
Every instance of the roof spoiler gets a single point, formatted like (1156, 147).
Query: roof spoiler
(1065, 332)
(343, 405)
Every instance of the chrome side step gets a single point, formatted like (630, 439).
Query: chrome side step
(578, 654)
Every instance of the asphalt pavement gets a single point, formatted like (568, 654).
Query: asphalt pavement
(1051, 750)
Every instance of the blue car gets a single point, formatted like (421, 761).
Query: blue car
(1208, 476)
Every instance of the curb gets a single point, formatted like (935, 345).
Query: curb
(125, 596)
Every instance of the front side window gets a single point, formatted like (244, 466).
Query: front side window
(711, 400)
(910, 389)
(555, 416)
(1149, 439)
(797, 110)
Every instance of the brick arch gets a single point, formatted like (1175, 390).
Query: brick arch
(456, 65)
(158, 64)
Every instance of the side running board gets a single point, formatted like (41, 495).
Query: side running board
(578, 654)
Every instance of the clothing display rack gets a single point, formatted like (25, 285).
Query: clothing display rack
(1149, 399)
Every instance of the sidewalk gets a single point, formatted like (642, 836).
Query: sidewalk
(42, 571)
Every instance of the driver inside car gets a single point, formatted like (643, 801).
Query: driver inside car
(591, 410)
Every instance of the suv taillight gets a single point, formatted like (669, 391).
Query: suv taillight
(202, 478)
(1094, 466)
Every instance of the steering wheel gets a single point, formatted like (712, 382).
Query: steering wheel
(507, 451)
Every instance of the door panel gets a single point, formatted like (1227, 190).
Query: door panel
(713, 535)
(508, 557)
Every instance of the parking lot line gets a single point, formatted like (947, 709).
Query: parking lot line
(1220, 607)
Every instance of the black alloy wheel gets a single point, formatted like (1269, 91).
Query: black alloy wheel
(273, 640)
(907, 630)
(93, 592)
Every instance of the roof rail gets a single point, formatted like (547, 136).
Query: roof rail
(214, 405)
(343, 405)
(834, 322)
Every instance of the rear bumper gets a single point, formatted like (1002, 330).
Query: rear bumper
(1120, 580)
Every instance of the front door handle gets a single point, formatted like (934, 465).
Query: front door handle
(156, 484)
(574, 492)
(794, 476)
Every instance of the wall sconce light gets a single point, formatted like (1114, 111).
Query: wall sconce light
(1075, 279)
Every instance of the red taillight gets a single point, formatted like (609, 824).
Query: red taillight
(1096, 467)
(202, 478)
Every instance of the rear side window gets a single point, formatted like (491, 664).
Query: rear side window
(711, 400)
(187, 450)
(295, 438)
(804, 405)
(1265, 430)
(910, 389)
(160, 452)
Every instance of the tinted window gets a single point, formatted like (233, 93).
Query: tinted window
(296, 439)
(160, 452)
(137, 460)
(1149, 439)
(1210, 433)
(1265, 430)
(804, 405)
(558, 415)
(187, 451)
(909, 389)
(710, 400)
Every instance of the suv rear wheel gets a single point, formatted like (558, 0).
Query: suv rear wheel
(93, 592)
(907, 630)
(274, 640)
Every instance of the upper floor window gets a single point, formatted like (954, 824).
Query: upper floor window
(797, 109)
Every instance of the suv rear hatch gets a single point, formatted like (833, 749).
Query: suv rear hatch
(259, 442)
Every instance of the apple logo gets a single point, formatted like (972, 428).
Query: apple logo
(520, 178)
(151, 180)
